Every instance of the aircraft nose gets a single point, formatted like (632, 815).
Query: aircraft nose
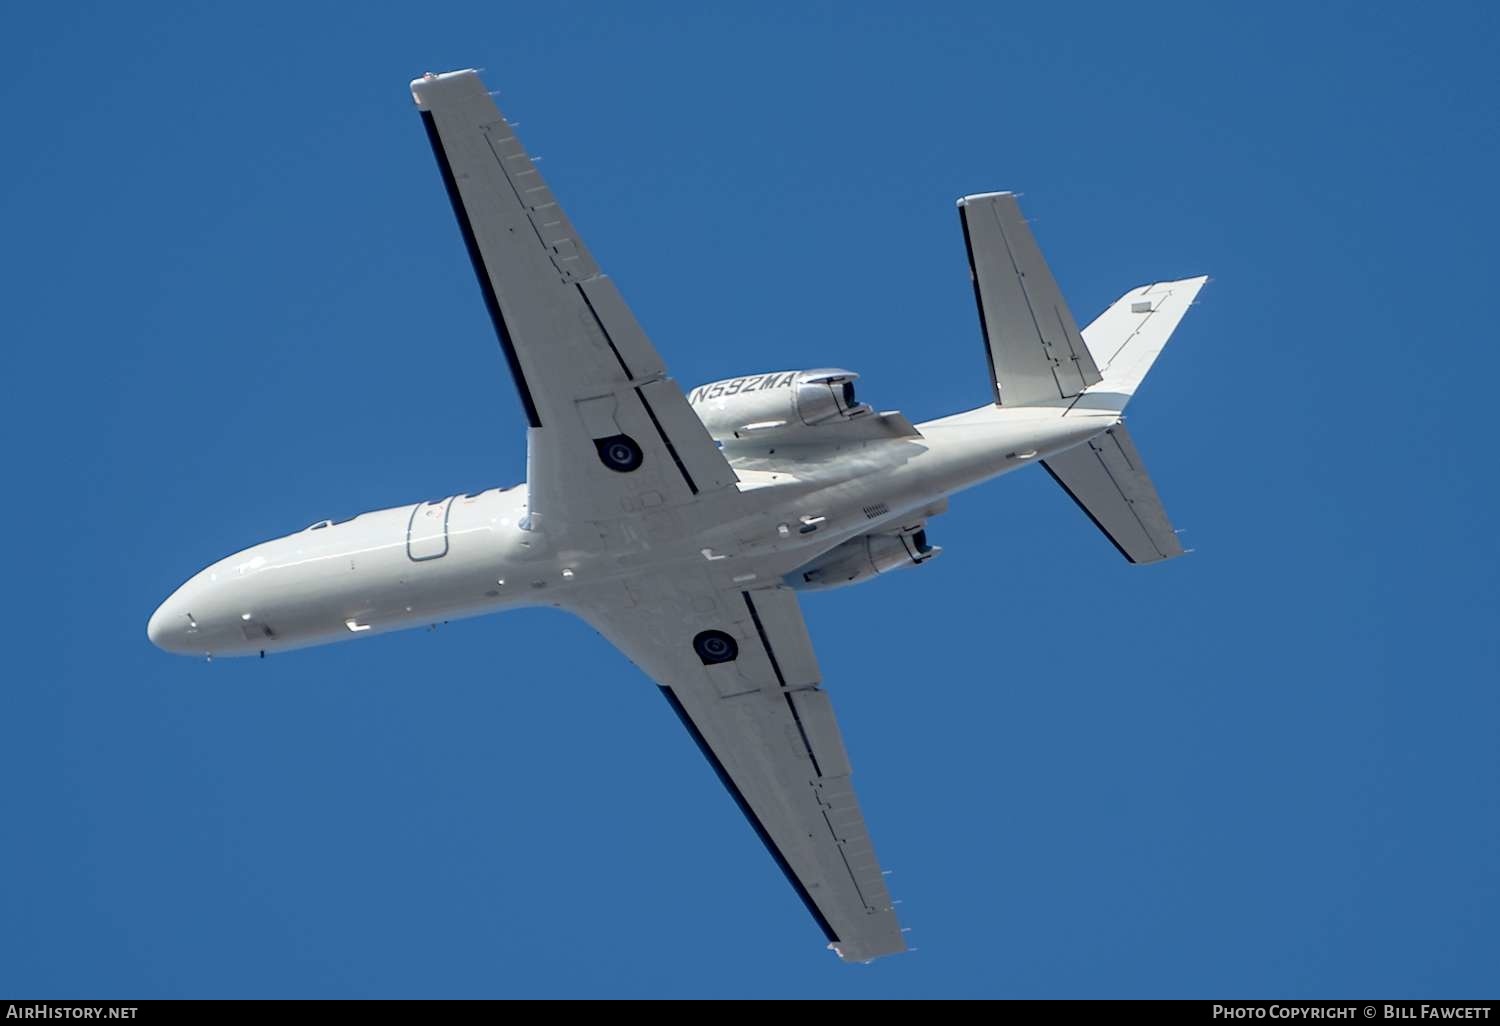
(156, 627)
(168, 627)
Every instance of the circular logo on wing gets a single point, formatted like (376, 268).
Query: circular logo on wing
(619, 453)
(715, 647)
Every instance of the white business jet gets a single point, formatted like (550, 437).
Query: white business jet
(681, 527)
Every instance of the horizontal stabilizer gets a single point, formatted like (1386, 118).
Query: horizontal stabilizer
(1107, 479)
(1036, 351)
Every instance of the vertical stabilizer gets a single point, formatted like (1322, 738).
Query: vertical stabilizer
(1126, 339)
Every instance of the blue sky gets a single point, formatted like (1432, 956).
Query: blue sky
(236, 302)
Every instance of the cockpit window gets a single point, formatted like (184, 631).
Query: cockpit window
(333, 523)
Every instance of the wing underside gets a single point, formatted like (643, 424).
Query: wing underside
(612, 437)
(766, 726)
(614, 432)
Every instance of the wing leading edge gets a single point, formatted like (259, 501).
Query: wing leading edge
(768, 729)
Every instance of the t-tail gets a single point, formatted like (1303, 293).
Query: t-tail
(1038, 356)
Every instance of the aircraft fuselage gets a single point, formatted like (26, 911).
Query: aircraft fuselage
(433, 561)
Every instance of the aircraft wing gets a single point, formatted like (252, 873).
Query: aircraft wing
(767, 727)
(610, 432)
(1035, 349)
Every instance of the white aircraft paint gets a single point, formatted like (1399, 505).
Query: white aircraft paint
(681, 526)
(389, 569)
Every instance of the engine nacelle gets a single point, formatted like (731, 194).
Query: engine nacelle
(776, 407)
(860, 559)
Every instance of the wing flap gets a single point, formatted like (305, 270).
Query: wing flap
(783, 633)
(688, 442)
(814, 713)
(629, 344)
(1036, 351)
